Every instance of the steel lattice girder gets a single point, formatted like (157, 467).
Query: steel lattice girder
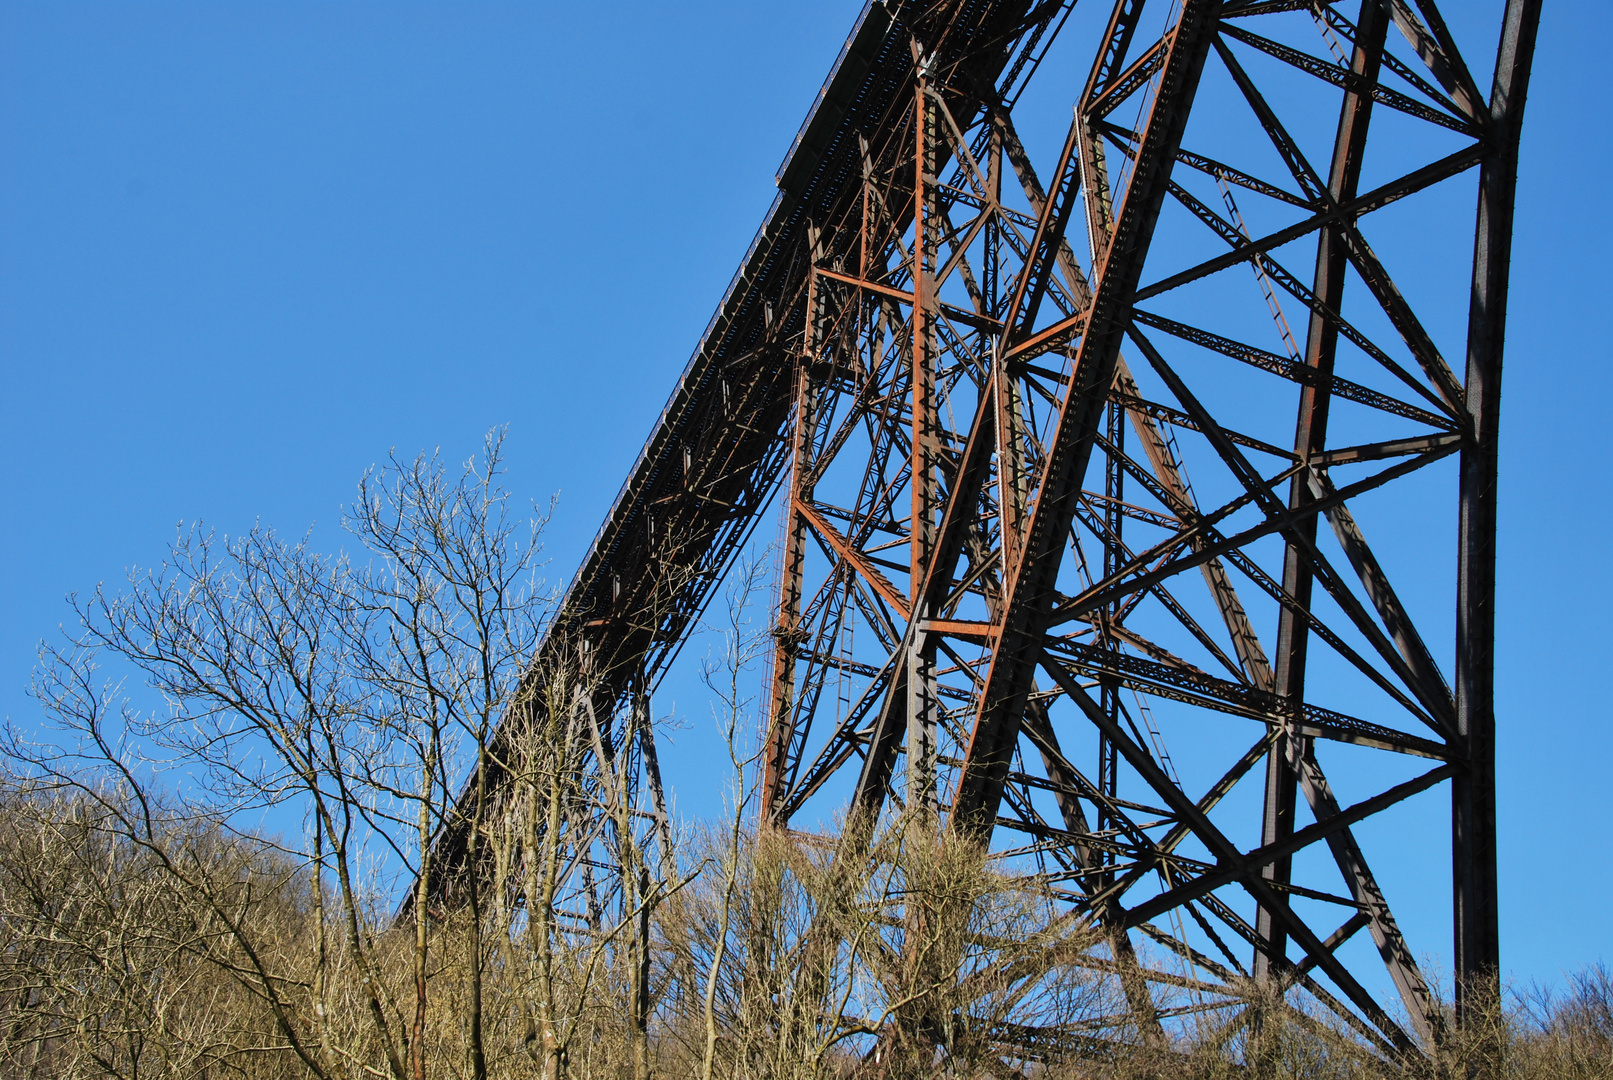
(715, 455)
(982, 401)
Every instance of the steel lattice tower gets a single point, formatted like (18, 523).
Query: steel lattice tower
(1074, 450)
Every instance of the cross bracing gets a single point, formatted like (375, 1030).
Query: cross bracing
(1081, 452)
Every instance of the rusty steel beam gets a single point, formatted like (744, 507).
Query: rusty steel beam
(1310, 439)
(1030, 589)
(720, 445)
(1473, 856)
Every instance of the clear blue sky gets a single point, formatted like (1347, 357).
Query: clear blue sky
(246, 248)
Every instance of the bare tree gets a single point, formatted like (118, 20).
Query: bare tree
(299, 683)
(731, 707)
(458, 614)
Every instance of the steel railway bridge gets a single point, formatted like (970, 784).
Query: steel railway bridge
(1078, 450)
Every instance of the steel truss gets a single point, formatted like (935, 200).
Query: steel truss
(981, 380)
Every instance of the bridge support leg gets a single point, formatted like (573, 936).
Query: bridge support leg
(1473, 840)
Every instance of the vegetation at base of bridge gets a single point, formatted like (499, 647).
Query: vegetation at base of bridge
(201, 957)
(152, 925)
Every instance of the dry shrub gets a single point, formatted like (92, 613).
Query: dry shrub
(906, 954)
(111, 966)
(117, 959)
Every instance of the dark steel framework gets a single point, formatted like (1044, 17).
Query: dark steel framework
(980, 383)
